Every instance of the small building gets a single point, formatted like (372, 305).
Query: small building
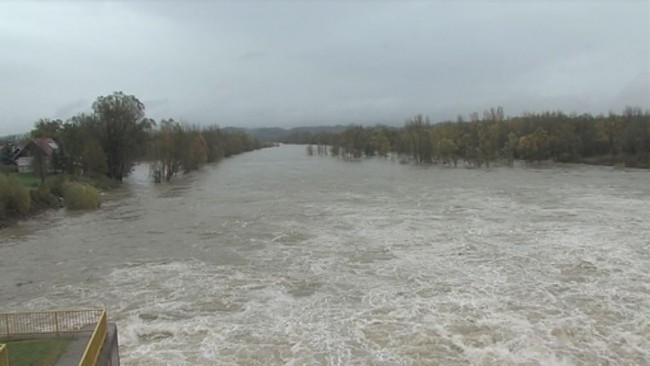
(24, 157)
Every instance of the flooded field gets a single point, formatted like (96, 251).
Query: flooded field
(274, 257)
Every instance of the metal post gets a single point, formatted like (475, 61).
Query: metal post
(4, 355)
(56, 322)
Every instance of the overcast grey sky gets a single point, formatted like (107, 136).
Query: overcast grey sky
(300, 63)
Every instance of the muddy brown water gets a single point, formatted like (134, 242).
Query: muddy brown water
(274, 257)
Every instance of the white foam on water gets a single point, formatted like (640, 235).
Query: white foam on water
(453, 292)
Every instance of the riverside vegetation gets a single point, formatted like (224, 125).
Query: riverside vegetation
(97, 150)
(615, 139)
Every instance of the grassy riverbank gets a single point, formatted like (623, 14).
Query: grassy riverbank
(26, 179)
(24, 195)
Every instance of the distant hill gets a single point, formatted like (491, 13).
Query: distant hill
(12, 138)
(277, 134)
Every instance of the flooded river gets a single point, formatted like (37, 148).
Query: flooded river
(274, 257)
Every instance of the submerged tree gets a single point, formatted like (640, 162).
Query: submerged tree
(122, 129)
(623, 138)
(176, 148)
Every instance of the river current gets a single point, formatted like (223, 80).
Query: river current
(275, 257)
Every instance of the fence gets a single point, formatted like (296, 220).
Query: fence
(48, 322)
(56, 322)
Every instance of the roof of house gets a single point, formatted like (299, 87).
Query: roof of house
(46, 144)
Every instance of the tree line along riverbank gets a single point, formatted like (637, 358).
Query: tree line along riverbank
(67, 163)
(613, 139)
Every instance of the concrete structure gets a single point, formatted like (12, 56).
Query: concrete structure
(109, 354)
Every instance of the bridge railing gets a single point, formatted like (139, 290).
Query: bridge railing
(95, 343)
(56, 323)
(48, 322)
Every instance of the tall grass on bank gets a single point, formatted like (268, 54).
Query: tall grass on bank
(27, 179)
(14, 197)
(56, 183)
(80, 196)
(42, 197)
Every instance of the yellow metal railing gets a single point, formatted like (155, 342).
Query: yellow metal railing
(4, 357)
(48, 322)
(56, 322)
(95, 343)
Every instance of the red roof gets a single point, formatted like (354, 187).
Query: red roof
(46, 144)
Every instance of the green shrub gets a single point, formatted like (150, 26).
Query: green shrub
(27, 179)
(79, 196)
(56, 184)
(42, 197)
(14, 196)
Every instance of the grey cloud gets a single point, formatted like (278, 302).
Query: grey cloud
(252, 55)
(298, 63)
(636, 92)
(72, 108)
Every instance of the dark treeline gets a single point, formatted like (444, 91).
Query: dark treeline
(109, 141)
(302, 135)
(94, 150)
(494, 138)
(175, 148)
